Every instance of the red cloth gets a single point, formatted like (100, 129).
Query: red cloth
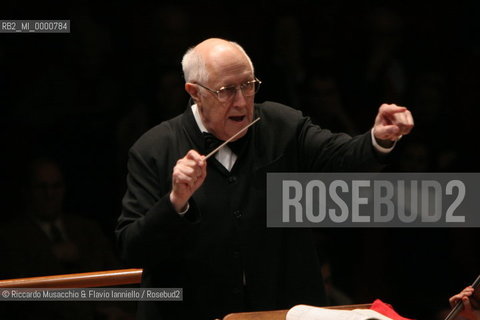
(387, 310)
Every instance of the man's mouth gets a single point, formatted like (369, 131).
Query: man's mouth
(237, 118)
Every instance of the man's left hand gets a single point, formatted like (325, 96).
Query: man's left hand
(392, 122)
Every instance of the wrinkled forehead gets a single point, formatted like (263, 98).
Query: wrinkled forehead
(224, 65)
(222, 58)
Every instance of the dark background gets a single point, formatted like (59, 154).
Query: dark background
(85, 97)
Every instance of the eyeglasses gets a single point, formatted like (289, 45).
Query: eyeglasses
(225, 94)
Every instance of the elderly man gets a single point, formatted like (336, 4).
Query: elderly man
(200, 224)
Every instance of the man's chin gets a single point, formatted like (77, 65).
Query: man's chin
(241, 134)
(234, 127)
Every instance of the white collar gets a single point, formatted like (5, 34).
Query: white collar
(198, 119)
(225, 155)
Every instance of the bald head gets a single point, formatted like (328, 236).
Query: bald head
(211, 57)
(214, 65)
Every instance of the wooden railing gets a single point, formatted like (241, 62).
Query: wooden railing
(78, 280)
(128, 277)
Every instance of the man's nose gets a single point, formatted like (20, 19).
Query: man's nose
(239, 98)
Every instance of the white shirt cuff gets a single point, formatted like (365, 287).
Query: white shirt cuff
(184, 211)
(379, 147)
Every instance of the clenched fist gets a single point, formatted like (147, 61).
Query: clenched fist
(391, 123)
(188, 175)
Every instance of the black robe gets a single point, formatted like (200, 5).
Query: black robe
(221, 252)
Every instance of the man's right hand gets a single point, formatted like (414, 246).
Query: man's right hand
(188, 175)
(470, 305)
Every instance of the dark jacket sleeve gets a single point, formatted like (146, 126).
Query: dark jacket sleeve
(149, 230)
(324, 151)
(316, 149)
(338, 152)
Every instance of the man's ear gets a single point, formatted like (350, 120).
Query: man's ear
(193, 91)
